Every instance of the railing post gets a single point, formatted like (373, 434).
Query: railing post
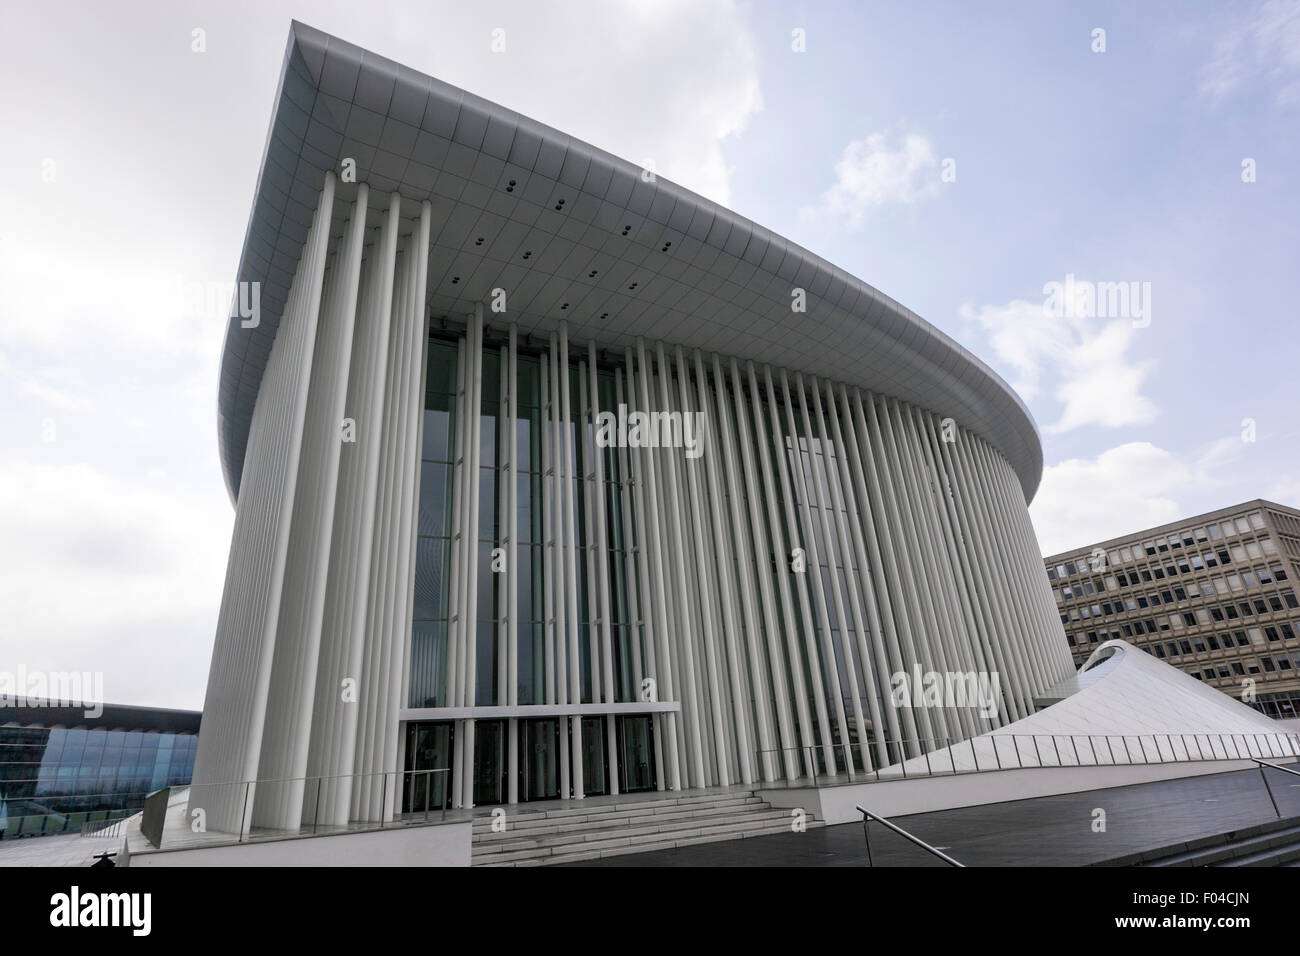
(1037, 753)
(243, 816)
(1263, 776)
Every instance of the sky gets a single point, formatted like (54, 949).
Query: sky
(960, 157)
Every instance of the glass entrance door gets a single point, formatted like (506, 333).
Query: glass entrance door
(636, 753)
(539, 769)
(594, 779)
(489, 762)
(428, 747)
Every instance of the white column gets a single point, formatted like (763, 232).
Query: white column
(570, 559)
(872, 690)
(513, 566)
(992, 582)
(559, 548)
(903, 594)
(789, 472)
(966, 543)
(606, 613)
(948, 727)
(399, 475)
(752, 638)
(338, 685)
(724, 566)
(638, 584)
(298, 645)
(663, 676)
(692, 711)
(818, 498)
(977, 646)
(470, 533)
(455, 587)
(781, 556)
(884, 713)
(240, 676)
(708, 636)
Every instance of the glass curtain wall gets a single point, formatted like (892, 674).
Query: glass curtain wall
(428, 683)
(809, 463)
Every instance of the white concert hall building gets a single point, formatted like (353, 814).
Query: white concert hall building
(553, 479)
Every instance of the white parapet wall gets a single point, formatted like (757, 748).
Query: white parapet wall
(445, 844)
(838, 804)
(1125, 718)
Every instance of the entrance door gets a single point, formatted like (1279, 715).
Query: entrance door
(636, 753)
(539, 768)
(594, 779)
(489, 762)
(428, 747)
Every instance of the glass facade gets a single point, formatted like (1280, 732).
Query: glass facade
(428, 677)
(540, 742)
(767, 578)
(54, 780)
(807, 457)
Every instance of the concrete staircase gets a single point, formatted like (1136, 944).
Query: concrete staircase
(1268, 844)
(571, 831)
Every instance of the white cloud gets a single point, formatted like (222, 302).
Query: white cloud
(667, 82)
(1085, 361)
(1265, 45)
(116, 576)
(1285, 491)
(878, 170)
(1126, 488)
(1140, 485)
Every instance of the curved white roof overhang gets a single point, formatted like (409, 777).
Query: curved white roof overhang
(704, 277)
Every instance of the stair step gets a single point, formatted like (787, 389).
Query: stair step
(587, 853)
(1224, 850)
(575, 831)
(1287, 854)
(549, 825)
(644, 805)
(581, 836)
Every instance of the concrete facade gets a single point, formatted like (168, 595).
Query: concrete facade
(1214, 595)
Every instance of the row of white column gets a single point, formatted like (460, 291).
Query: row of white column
(827, 540)
(914, 540)
(311, 655)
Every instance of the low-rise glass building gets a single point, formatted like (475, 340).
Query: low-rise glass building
(61, 770)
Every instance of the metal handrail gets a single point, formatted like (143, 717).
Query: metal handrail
(868, 815)
(1034, 751)
(1265, 763)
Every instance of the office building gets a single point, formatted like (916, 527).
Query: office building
(1213, 595)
